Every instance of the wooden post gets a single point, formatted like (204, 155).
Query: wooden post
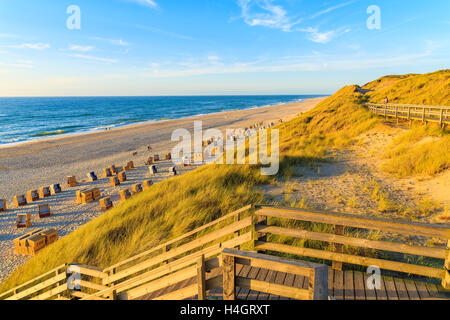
(339, 248)
(318, 283)
(446, 280)
(423, 115)
(229, 278)
(396, 114)
(441, 121)
(259, 236)
(201, 278)
(409, 113)
(237, 218)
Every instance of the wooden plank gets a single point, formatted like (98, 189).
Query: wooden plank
(381, 292)
(402, 292)
(243, 292)
(360, 293)
(201, 278)
(252, 295)
(271, 279)
(91, 285)
(349, 286)
(412, 290)
(51, 293)
(318, 283)
(263, 276)
(276, 263)
(338, 230)
(273, 288)
(180, 250)
(39, 287)
(432, 289)
(31, 282)
(161, 283)
(410, 228)
(184, 236)
(159, 272)
(338, 285)
(391, 290)
(358, 260)
(358, 242)
(422, 290)
(370, 293)
(92, 271)
(229, 278)
(180, 294)
(279, 279)
(331, 282)
(239, 268)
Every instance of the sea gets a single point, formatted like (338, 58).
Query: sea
(35, 118)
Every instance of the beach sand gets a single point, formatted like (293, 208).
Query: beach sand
(32, 165)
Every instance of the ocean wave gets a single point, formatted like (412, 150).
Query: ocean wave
(50, 133)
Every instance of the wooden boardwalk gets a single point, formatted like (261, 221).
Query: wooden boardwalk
(342, 285)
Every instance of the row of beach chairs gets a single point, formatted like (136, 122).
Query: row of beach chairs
(24, 219)
(33, 242)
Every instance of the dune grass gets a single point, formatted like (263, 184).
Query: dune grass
(427, 89)
(421, 151)
(176, 206)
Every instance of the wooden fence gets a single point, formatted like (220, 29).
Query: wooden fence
(205, 255)
(339, 239)
(409, 112)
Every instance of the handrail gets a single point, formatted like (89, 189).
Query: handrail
(410, 105)
(184, 236)
(411, 112)
(340, 221)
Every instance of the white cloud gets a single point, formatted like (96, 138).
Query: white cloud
(323, 37)
(147, 3)
(115, 42)
(18, 64)
(34, 46)
(74, 47)
(163, 32)
(314, 62)
(8, 35)
(93, 58)
(265, 13)
(318, 14)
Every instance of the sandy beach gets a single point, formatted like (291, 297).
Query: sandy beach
(32, 165)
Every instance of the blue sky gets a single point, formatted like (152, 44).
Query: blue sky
(173, 47)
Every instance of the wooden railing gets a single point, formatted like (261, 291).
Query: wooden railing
(350, 222)
(409, 112)
(203, 255)
(317, 275)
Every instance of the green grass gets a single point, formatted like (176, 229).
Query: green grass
(176, 206)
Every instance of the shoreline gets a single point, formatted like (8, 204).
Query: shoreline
(146, 122)
(36, 163)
